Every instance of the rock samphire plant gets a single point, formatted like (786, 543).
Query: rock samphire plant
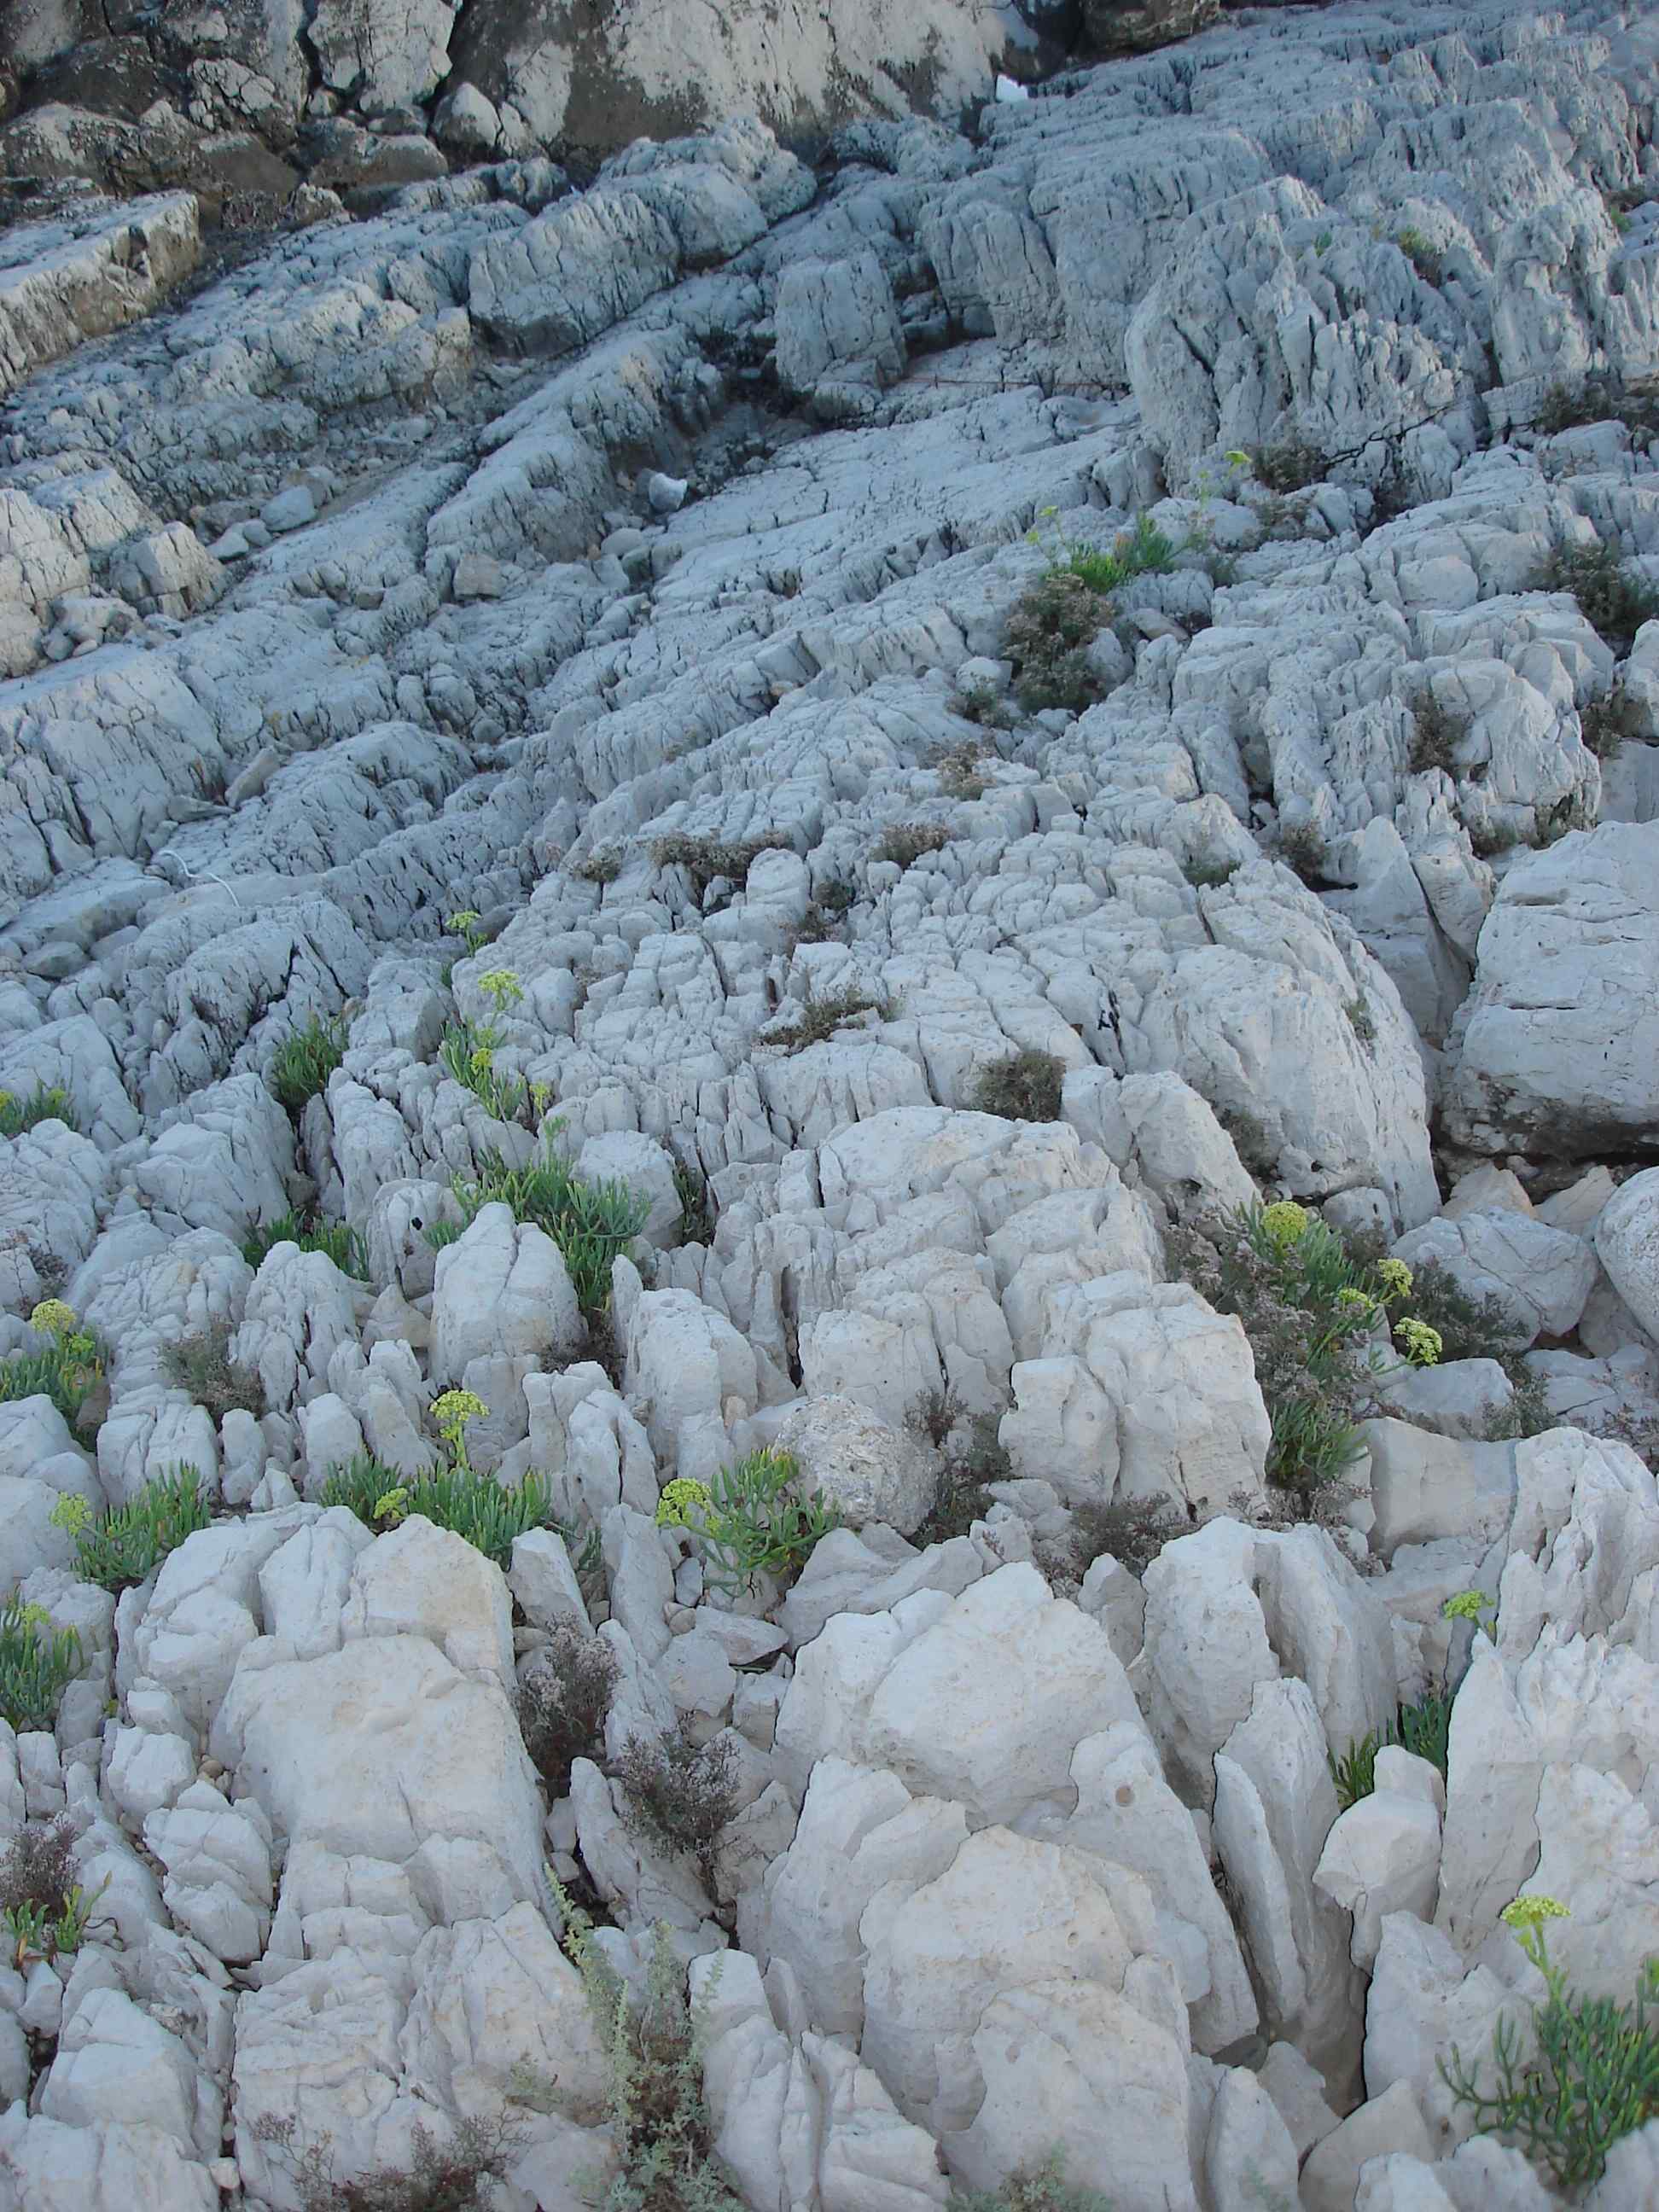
(121, 1548)
(750, 1521)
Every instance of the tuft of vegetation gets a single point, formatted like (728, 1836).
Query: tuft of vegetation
(489, 1514)
(751, 1521)
(958, 772)
(1302, 848)
(43, 1909)
(302, 1063)
(67, 1372)
(1614, 599)
(312, 1232)
(659, 2123)
(813, 1020)
(593, 1224)
(1134, 1530)
(905, 842)
(1024, 1087)
(1528, 1414)
(707, 861)
(963, 1495)
(1289, 465)
(1142, 551)
(1600, 726)
(1045, 2189)
(37, 1664)
(451, 2173)
(982, 703)
(1423, 1729)
(1361, 1020)
(1585, 2074)
(680, 1795)
(1209, 875)
(601, 866)
(1048, 632)
(1598, 398)
(120, 1548)
(696, 1215)
(1425, 257)
(1437, 733)
(202, 1364)
(18, 1116)
(563, 1703)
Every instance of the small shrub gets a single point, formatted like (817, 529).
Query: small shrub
(1426, 258)
(1492, 835)
(489, 1514)
(591, 1223)
(1436, 736)
(312, 1232)
(120, 1548)
(963, 1495)
(707, 861)
(1601, 725)
(42, 1104)
(43, 1909)
(959, 773)
(1025, 1087)
(697, 1216)
(1209, 875)
(1528, 1414)
(750, 1521)
(1302, 848)
(1291, 465)
(1134, 1530)
(1614, 599)
(1140, 552)
(301, 1064)
(563, 1703)
(444, 2174)
(679, 1795)
(1048, 633)
(659, 2123)
(37, 1664)
(813, 1020)
(202, 1365)
(602, 867)
(1590, 2075)
(1044, 2190)
(906, 841)
(1361, 1020)
(982, 703)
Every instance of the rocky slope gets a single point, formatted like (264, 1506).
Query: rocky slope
(644, 573)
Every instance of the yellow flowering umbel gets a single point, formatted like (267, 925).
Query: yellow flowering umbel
(502, 988)
(452, 1411)
(1524, 1918)
(1354, 1298)
(1395, 1277)
(53, 1318)
(1470, 1605)
(392, 1506)
(680, 1497)
(71, 1512)
(1285, 1223)
(1422, 1344)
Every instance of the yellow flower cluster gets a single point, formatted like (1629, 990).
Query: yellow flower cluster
(679, 1497)
(1285, 1223)
(1526, 1912)
(453, 1409)
(53, 1317)
(1423, 1344)
(1395, 1277)
(391, 1505)
(71, 1512)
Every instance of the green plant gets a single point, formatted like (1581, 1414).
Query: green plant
(120, 1548)
(1048, 633)
(465, 926)
(1301, 848)
(1528, 1414)
(591, 1223)
(563, 1700)
(1425, 1727)
(1437, 733)
(980, 703)
(1134, 1530)
(1289, 465)
(19, 1114)
(813, 1020)
(905, 842)
(444, 2174)
(1141, 551)
(1614, 599)
(1601, 725)
(963, 1494)
(43, 1908)
(697, 1216)
(1024, 1087)
(202, 1364)
(1425, 257)
(67, 1372)
(1043, 2190)
(1361, 1020)
(750, 1521)
(1209, 875)
(1590, 2075)
(490, 1515)
(707, 861)
(302, 1064)
(680, 1794)
(37, 1664)
(659, 2124)
(958, 771)
(601, 866)
(1355, 1772)
(312, 1232)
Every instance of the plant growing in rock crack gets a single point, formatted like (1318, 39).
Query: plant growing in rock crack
(1425, 257)
(43, 1909)
(202, 1364)
(1302, 848)
(1291, 464)
(696, 1214)
(980, 703)
(68, 1371)
(563, 1700)
(464, 924)
(37, 1664)
(813, 1020)
(1042, 2189)
(1047, 636)
(1614, 598)
(1132, 1530)
(707, 860)
(1600, 726)
(468, 1050)
(302, 1064)
(591, 1223)
(958, 772)
(1437, 733)
(489, 1514)
(679, 1794)
(446, 2172)
(1361, 1020)
(18, 1116)
(312, 1232)
(659, 2125)
(1024, 1087)
(1583, 2073)
(1209, 875)
(1422, 1727)
(120, 1548)
(905, 842)
(750, 1521)
(1143, 550)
